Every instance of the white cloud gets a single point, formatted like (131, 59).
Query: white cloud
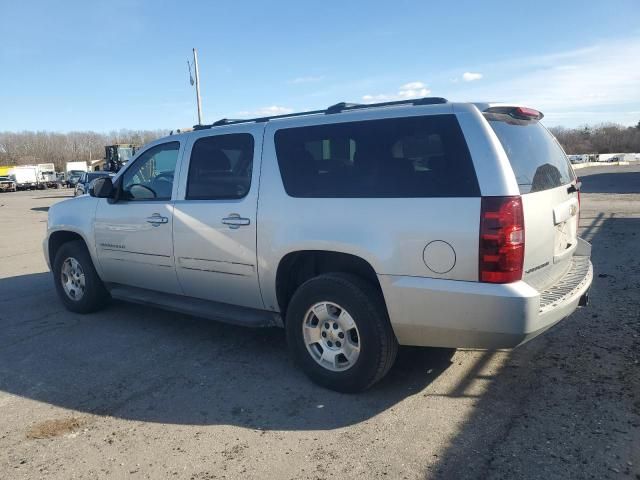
(471, 76)
(266, 111)
(413, 86)
(406, 91)
(307, 79)
(599, 78)
(417, 93)
(274, 110)
(376, 98)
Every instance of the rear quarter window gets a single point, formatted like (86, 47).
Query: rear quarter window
(537, 160)
(400, 158)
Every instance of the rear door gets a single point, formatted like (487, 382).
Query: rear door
(547, 184)
(215, 216)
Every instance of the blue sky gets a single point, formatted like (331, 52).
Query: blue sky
(98, 65)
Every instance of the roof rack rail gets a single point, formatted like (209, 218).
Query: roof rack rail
(230, 121)
(337, 108)
(342, 106)
(225, 121)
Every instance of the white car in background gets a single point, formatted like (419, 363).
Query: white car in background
(7, 184)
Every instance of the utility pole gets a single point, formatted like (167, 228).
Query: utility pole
(195, 65)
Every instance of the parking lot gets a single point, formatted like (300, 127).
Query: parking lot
(135, 392)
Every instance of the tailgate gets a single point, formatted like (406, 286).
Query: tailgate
(551, 227)
(549, 193)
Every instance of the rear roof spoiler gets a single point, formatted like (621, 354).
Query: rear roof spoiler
(516, 111)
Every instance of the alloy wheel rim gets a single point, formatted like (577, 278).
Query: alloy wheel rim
(331, 336)
(72, 278)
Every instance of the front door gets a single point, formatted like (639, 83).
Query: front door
(134, 234)
(215, 218)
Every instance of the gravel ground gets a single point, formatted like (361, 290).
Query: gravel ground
(134, 392)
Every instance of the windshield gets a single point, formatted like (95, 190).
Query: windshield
(538, 162)
(125, 153)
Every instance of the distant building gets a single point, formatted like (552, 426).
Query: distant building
(95, 165)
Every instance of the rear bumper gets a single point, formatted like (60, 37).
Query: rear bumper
(458, 314)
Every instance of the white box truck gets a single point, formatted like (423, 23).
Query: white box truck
(25, 176)
(76, 166)
(47, 175)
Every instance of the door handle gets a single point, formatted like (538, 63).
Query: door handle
(157, 219)
(235, 221)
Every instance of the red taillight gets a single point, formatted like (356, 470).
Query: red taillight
(501, 239)
(527, 113)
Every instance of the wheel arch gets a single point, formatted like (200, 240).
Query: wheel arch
(60, 237)
(297, 267)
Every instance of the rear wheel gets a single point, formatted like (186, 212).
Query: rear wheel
(76, 280)
(339, 332)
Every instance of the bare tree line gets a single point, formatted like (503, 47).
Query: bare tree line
(602, 138)
(22, 148)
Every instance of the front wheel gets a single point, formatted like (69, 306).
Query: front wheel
(339, 333)
(76, 280)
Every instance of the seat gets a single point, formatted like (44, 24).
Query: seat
(216, 161)
(381, 174)
(301, 172)
(210, 176)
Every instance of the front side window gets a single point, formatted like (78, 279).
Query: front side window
(151, 177)
(220, 167)
(398, 157)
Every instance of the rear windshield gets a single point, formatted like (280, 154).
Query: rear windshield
(397, 157)
(537, 160)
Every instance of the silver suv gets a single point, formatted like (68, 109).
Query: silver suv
(356, 228)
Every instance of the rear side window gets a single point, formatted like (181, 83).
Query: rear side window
(399, 157)
(220, 167)
(537, 160)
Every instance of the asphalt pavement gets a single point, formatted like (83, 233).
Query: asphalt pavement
(136, 392)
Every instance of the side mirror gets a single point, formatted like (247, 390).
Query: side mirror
(102, 188)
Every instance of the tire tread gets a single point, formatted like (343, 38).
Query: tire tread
(96, 295)
(370, 297)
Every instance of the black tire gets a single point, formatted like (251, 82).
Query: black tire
(378, 344)
(95, 295)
